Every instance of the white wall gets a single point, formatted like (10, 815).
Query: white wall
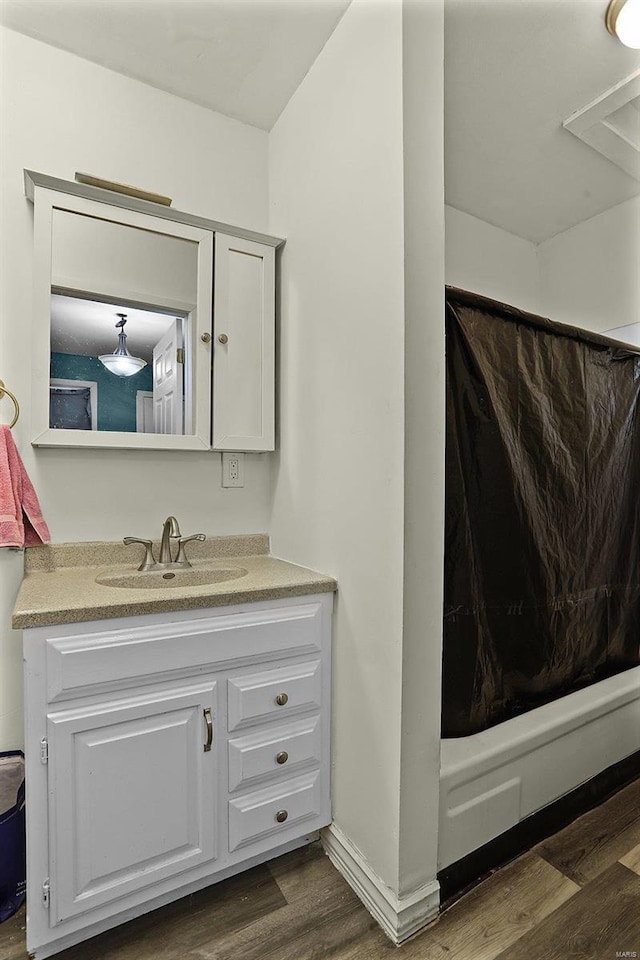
(61, 114)
(423, 98)
(337, 194)
(490, 261)
(590, 275)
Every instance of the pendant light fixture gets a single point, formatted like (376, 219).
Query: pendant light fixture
(120, 361)
(623, 21)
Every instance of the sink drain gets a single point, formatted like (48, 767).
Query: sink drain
(168, 576)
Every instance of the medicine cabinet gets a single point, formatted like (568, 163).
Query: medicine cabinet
(153, 329)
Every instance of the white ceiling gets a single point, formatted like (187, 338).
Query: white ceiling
(243, 58)
(514, 71)
(88, 327)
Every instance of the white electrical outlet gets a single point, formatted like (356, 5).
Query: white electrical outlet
(233, 469)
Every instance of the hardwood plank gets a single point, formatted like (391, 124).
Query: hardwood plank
(322, 916)
(376, 945)
(290, 863)
(12, 936)
(600, 921)
(306, 874)
(174, 931)
(632, 860)
(587, 847)
(333, 928)
(486, 921)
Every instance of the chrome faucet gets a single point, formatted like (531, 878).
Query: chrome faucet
(170, 532)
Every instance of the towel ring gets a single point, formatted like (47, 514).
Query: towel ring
(7, 393)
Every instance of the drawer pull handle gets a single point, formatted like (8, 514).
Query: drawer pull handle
(209, 722)
(282, 698)
(282, 757)
(282, 815)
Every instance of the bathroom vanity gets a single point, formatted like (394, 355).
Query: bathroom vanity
(171, 740)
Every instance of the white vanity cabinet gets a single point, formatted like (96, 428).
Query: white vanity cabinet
(166, 752)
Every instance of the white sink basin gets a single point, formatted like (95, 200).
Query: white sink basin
(170, 579)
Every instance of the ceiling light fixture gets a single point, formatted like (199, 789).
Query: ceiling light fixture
(623, 21)
(120, 361)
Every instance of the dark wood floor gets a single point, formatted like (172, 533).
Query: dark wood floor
(576, 896)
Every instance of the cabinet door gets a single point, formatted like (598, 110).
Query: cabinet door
(131, 795)
(244, 345)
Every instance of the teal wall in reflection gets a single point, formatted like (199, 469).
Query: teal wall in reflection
(116, 395)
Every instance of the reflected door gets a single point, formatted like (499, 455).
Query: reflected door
(168, 401)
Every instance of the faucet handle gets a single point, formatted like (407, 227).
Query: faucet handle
(182, 557)
(149, 559)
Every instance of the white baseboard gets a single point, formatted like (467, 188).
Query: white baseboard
(399, 917)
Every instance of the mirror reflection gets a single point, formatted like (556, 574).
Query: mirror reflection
(95, 385)
(122, 305)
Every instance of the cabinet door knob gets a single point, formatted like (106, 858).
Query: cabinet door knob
(223, 338)
(282, 815)
(282, 757)
(205, 337)
(282, 698)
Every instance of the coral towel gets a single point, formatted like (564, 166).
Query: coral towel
(21, 520)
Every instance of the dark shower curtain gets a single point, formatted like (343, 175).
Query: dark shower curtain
(542, 546)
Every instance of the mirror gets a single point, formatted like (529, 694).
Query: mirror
(106, 276)
(141, 390)
(127, 323)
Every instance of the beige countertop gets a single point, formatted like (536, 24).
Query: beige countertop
(60, 585)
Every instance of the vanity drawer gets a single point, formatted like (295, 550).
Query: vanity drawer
(272, 694)
(281, 750)
(274, 809)
(79, 663)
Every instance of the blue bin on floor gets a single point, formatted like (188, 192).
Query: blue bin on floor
(13, 861)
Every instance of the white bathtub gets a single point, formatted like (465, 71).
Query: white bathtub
(492, 780)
